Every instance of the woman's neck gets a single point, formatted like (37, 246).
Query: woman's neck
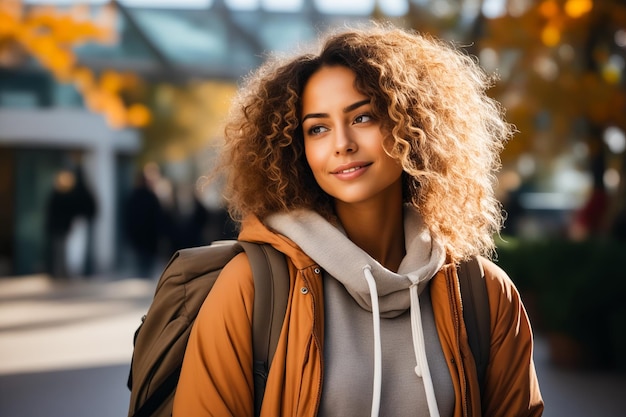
(378, 230)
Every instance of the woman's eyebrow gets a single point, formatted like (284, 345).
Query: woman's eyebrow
(314, 116)
(356, 105)
(347, 109)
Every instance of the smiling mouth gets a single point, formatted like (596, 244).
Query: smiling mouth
(352, 169)
(345, 171)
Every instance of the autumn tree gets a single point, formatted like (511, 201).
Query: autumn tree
(50, 34)
(564, 79)
(561, 74)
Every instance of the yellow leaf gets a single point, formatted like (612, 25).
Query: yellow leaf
(578, 8)
(139, 115)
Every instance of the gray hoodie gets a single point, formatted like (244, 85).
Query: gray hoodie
(368, 308)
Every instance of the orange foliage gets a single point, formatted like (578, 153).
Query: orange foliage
(49, 34)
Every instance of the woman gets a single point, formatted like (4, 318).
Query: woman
(370, 165)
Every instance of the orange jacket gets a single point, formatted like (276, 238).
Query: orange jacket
(217, 380)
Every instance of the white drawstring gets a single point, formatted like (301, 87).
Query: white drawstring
(367, 271)
(421, 369)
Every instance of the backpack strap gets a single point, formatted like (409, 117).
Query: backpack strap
(155, 400)
(271, 293)
(476, 314)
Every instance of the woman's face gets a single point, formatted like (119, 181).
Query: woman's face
(343, 141)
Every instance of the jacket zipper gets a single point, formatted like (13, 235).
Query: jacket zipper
(317, 342)
(453, 298)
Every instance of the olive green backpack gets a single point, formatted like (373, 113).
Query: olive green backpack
(161, 339)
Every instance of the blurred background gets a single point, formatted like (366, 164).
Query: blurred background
(111, 112)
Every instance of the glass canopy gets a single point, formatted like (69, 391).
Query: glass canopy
(212, 42)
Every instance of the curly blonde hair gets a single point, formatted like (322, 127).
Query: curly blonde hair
(431, 98)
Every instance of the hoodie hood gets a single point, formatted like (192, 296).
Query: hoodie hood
(330, 248)
(375, 288)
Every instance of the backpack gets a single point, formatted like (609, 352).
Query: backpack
(161, 339)
(476, 314)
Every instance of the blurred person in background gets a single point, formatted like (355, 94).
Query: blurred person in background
(69, 213)
(370, 164)
(144, 226)
(81, 236)
(188, 219)
(220, 225)
(59, 214)
(590, 221)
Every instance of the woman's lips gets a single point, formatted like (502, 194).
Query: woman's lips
(351, 171)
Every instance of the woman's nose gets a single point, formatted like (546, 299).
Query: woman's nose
(344, 142)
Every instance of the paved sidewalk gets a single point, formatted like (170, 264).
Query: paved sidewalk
(65, 350)
(569, 393)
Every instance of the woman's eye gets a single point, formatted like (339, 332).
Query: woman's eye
(316, 130)
(363, 118)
